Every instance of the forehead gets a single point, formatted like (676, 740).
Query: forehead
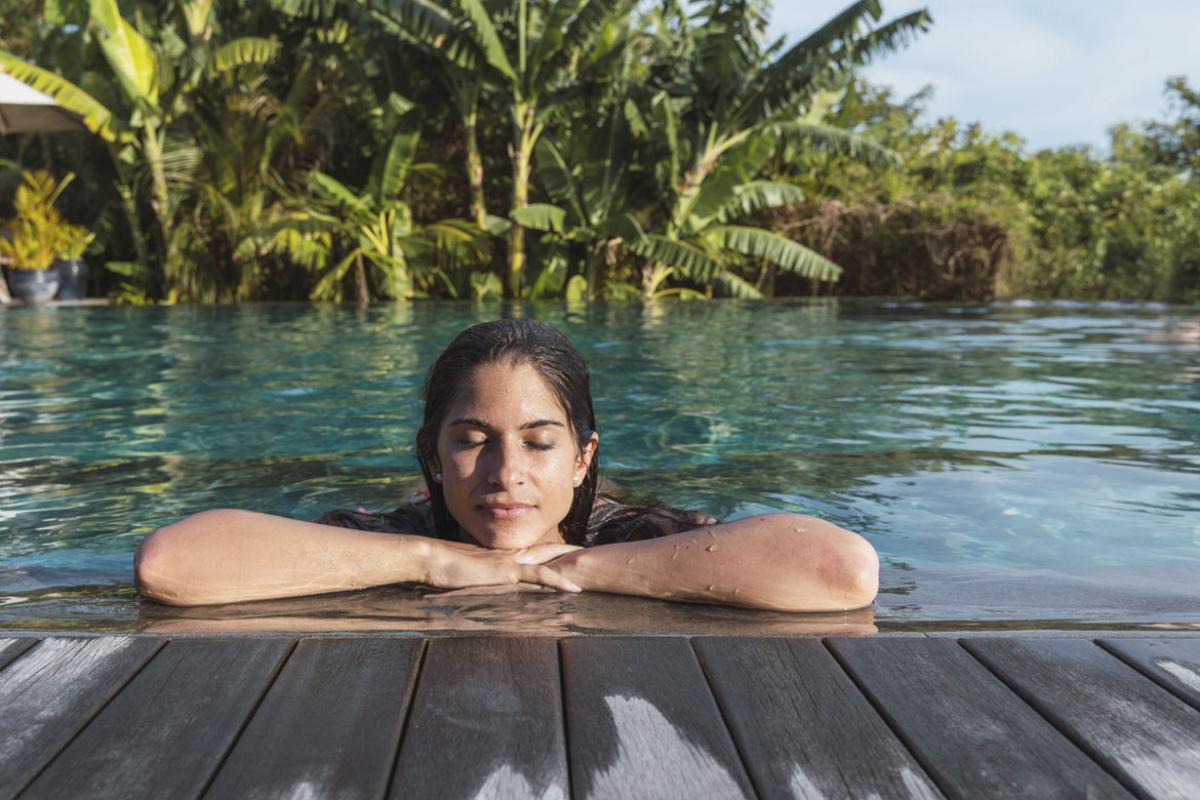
(506, 395)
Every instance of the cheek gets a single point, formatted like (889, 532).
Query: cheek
(462, 463)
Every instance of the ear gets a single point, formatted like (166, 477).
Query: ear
(586, 454)
(435, 467)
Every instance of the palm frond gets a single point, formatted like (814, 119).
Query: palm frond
(243, 51)
(838, 140)
(889, 38)
(95, 115)
(428, 24)
(555, 175)
(541, 217)
(757, 195)
(737, 286)
(336, 192)
(393, 173)
(777, 249)
(484, 32)
(128, 53)
(689, 260)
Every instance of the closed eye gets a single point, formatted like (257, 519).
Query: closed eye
(531, 445)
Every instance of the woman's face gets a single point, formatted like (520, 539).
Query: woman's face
(508, 458)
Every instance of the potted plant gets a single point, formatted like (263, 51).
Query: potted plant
(34, 238)
(72, 271)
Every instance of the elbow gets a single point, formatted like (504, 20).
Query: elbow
(153, 574)
(859, 574)
(163, 566)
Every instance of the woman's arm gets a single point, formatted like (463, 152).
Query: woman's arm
(787, 562)
(229, 556)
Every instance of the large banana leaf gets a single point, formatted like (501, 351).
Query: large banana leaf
(197, 14)
(243, 51)
(128, 53)
(556, 178)
(700, 205)
(888, 38)
(738, 286)
(756, 195)
(428, 24)
(484, 32)
(337, 192)
(96, 116)
(777, 249)
(391, 175)
(838, 140)
(303, 237)
(824, 58)
(541, 217)
(605, 169)
(690, 260)
(567, 34)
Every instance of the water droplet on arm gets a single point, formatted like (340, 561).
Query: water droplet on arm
(712, 548)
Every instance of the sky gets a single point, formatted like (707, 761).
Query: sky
(1057, 72)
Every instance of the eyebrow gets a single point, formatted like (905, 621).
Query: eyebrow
(478, 423)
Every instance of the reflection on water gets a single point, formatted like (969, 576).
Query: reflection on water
(534, 613)
(975, 446)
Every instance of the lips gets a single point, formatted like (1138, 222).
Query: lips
(505, 510)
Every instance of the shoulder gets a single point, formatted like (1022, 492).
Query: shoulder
(414, 517)
(613, 521)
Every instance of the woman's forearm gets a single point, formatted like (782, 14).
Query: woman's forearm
(229, 555)
(786, 562)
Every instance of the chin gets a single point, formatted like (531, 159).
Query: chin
(505, 538)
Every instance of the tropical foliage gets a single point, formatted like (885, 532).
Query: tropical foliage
(37, 233)
(972, 214)
(398, 149)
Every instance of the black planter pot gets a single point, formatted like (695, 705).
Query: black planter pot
(72, 278)
(33, 286)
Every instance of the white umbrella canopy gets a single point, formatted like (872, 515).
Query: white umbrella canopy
(24, 109)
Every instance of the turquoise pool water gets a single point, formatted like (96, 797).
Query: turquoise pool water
(1009, 461)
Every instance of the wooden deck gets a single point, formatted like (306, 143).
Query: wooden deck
(604, 717)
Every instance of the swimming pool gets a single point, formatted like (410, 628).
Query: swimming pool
(1013, 463)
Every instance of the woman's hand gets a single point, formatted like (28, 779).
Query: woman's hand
(453, 565)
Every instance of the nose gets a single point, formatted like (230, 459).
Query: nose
(506, 467)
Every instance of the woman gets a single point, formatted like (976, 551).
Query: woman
(509, 450)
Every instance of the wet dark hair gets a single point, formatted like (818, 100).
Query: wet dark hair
(514, 342)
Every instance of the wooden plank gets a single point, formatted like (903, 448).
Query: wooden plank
(166, 732)
(804, 727)
(1135, 728)
(972, 734)
(48, 695)
(330, 724)
(11, 648)
(486, 721)
(1173, 663)
(642, 722)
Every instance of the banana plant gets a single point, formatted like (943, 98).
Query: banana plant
(534, 55)
(590, 212)
(374, 227)
(130, 95)
(724, 115)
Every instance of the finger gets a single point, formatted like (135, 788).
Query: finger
(541, 553)
(548, 577)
